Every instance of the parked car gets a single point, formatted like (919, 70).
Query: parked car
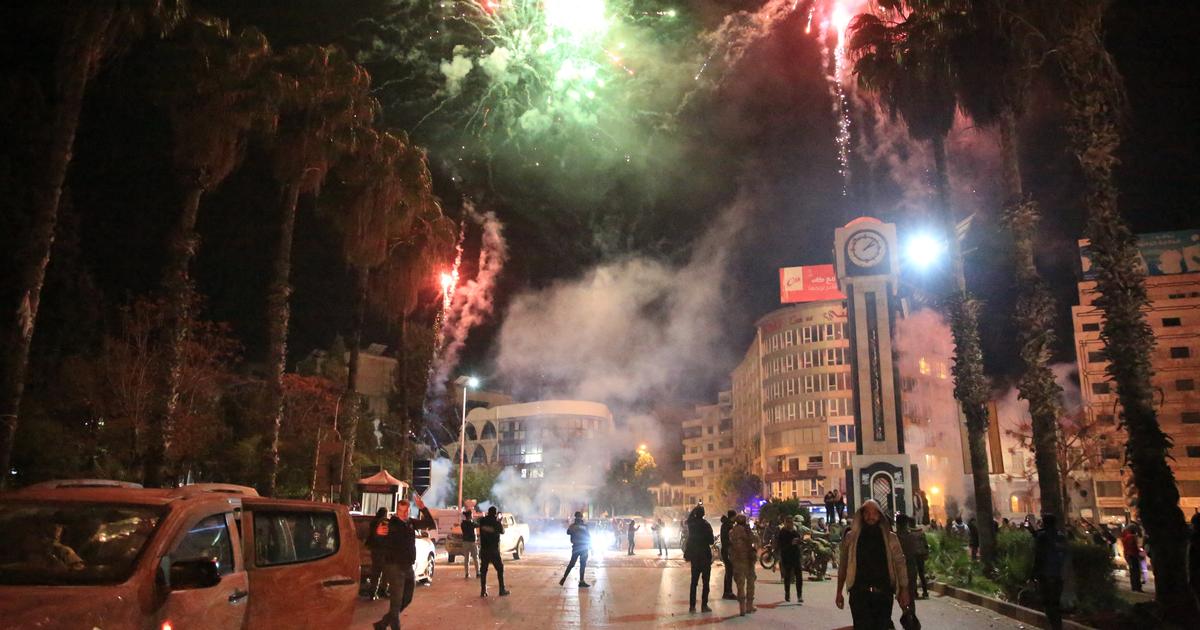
(423, 566)
(97, 554)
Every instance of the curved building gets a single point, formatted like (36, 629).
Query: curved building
(548, 444)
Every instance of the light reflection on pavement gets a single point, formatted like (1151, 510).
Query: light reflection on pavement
(642, 591)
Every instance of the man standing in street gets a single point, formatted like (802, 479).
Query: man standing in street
(830, 507)
(377, 543)
(743, 554)
(660, 536)
(698, 553)
(787, 545)
(400, 551)
(633, 527)
(872, 566)
(726, 525)
(489, 551)
(1133, 557)
(581, 543)
(839, 504)
(470, 547)
(1049, 558)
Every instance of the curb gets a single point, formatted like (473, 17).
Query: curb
(1025, 615)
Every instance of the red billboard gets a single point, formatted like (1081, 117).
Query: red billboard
(812, 283)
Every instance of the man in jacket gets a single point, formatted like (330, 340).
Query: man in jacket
(489, 551)
(726, 525)
(1049, 559)
(470, 548)
(400, 552)
(1132, 550)
(581, 543)
(698, 553)
(376, 543)
(743, 554)
(916, 548)
(787, 545)
(633, 527)
(872, 567)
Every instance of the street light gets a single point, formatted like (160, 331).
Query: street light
(466, 383)
(924, 250)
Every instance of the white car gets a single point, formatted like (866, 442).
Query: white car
(514, 536)
(423, 566)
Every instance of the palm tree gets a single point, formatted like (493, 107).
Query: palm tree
(218, 91)
(325, 100)
(93, 32)
(894, 57)
(991, 70)
(1073, 33)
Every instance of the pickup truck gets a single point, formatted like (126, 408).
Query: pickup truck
(108, 554)
(511, 541)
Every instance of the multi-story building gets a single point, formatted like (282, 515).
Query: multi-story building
(544, 443)
(707, 450)
(1172, 262)
(797, 370)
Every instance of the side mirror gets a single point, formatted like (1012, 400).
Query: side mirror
(193, 574)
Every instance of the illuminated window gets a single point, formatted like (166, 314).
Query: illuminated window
(923, 365)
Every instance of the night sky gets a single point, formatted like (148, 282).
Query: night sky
(766, 131)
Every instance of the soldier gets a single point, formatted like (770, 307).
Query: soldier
(743, 555)
(581, 543)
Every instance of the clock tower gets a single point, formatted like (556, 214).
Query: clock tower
(868, 273)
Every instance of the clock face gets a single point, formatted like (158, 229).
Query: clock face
(866, 249)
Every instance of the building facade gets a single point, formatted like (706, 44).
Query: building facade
(708, 450)
(793, 416)
(1173, 286)
(545, 445)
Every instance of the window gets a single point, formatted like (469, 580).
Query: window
(1193, 451)
(290, 537)
(1096, 356)
(810, 383)
(1190, 417)
(1171, 322)
(1091, 327)
(1101, 388)
(806, 334)
(1185, 385)
(1105, 418)
(1189, 488)
(1108, 488)
(810, 409)
(842, 433)
(789, 338)
(1181, 352)
(790, 386)
(207, 540)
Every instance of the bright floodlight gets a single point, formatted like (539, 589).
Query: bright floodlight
(472, 382)
(924, 250)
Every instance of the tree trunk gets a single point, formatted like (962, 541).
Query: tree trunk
(76, 64)
(177, 292)
(406, 451)
(970, 384)
(362, 278)
(1093, 102)
(278, 315)
(1034, 319)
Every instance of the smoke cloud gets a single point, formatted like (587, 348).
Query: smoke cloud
(440, 482)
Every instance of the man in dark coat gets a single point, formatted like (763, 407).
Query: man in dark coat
(489, 551)
(400, 552)
(699, 554)
(1049, 559)
(581, 544)
(830, 507)
(470, 548)
(787, 545)
(726, 526)
(633, 527)
(376, 540)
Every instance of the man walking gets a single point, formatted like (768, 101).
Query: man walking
(787, 545)
(872, 566)
(470, 547)
(633, 527)
(400, 551)
(581, 543)
(1049, 558)
(698, 553)
(743, 554)
(726, 525)
(489, 551)
(916, 551)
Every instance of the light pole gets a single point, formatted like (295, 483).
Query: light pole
(466, 382)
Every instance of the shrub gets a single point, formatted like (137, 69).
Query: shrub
(1014, 562)
(951, 564)
(1091, 571)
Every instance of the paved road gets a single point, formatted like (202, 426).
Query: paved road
(638, 592)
